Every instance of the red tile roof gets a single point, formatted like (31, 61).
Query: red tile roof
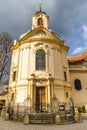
(77, 58)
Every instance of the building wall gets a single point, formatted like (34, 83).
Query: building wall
(56, 64)
(56, 61)
(79, 96)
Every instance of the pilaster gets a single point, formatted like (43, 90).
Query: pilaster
(31, 88)
(49, 88)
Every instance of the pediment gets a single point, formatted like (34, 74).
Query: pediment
(39, 33)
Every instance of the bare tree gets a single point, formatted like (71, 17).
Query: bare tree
(5, 58)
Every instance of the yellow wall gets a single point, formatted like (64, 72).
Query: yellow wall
(80, 97)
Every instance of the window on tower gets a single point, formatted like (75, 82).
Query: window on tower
(40, 22)
(40, 60)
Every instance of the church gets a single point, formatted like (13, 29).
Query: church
(40, 68)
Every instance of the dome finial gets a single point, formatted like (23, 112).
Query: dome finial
(40, 6)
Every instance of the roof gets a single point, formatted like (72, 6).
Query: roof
(77, 58)
(38, 34)
(40, 12)
(40, 9)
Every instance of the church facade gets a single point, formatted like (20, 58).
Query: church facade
(41, 70)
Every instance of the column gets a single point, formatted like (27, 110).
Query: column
(49, 88)
(47, 62)
(20, 64)
(52, 90)
(29, 60)
(31, 88)
(49, 91)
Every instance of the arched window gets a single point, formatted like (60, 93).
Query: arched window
(77, 83)
(40, 22)
(40, 60)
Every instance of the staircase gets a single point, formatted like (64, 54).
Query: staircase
(42, 118)
(49, 118)
(66, 118)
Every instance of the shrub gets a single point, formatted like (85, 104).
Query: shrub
(81, 109)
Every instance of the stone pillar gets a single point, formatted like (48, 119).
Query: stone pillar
(6, 117)
(26, 120)
(49, 91)
(32, 91)
(58, 120)
(20, 64)
(47, 62)
(31, 88)
(49, 87)
(77, 116)
(52, 89)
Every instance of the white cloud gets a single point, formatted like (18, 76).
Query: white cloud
(79, 50)
(15, 15)
(84, 28)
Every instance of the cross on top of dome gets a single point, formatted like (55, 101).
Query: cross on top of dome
(40, 6)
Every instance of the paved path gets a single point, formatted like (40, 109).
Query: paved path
(10, 125)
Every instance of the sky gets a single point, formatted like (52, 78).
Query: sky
(67, 18)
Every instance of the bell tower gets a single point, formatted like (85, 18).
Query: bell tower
(40, 19)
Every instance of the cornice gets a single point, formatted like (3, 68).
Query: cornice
(53, 41)
(15, 46)
(40, 13)
(81, 70)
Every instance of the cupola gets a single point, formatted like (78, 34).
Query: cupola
(40, 19)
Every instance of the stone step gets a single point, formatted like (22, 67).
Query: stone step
(67, 122)
(50, 122)
(48, 118)
(41, 122)
(41, 118)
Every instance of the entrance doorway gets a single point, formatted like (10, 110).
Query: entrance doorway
(40, 99)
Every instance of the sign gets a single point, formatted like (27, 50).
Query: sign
(61, 107)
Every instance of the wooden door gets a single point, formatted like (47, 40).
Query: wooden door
(40, 99)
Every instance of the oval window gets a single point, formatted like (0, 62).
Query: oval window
(77, 83)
